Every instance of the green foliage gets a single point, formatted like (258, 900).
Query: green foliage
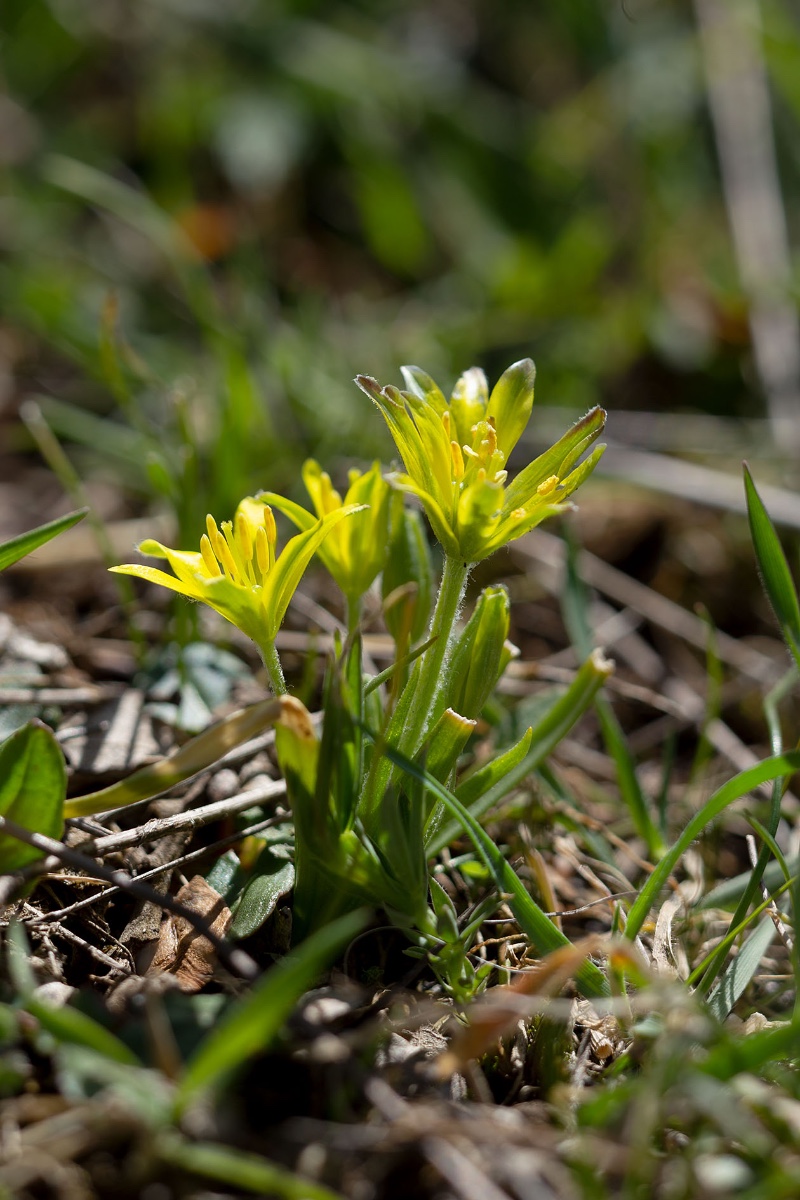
(250, 1025)
(16, 548)
(773, 568)
(33, 784)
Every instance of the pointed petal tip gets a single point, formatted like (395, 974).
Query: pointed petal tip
(152, 548)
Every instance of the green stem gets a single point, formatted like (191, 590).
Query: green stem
(353, 604)
(273, 664)
(430, 677)
(411, 717)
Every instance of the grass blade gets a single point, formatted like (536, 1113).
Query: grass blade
(773, 568)
(745, 781)
(16, 548)
(249, 1172)
(534, 923)
(252, 1023)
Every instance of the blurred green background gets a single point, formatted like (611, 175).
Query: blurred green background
(216, 212)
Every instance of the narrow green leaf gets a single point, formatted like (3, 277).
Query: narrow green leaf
(773, 568)
(745, 781)
(195, 756)
(70, 1025)
(534, 923)
(545, 736)
(251, 1023)
(741, 970)
(33, 783)
(238, 1169)
(16, 548)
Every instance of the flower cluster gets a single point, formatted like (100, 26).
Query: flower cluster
(237, 571)
(455, 454)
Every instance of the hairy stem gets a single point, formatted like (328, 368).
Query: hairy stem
(271, 661)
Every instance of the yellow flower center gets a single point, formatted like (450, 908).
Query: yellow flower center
(241, 549)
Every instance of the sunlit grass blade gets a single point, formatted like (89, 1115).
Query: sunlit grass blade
(533, 922)
(745, 781)
(16, 548)
(773, 568)
(249, 1026)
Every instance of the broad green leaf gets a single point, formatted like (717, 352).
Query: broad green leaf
(741, 969)
(195, 756)
(272, 879)
(745, 781)
(533, 922)
(33, 784)
(773, 568)
(251, 1024)
(16, 548)
(238, 1169)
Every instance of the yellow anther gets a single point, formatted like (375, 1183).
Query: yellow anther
(223, 553)
(458, 460)
(446, 421)
(470, 452)
(211, 526)
(518, 514)
(270, 526)
(549, 485)
(212, 566)
(262, 548)
(244, 536)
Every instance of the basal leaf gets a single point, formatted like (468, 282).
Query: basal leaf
(33, 783)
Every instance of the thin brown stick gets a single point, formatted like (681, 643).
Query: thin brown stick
(94, 951)
(161, 869)
(194, 818)
(234, 959)
(545, 547)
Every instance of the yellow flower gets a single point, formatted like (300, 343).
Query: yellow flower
(455, 454)
(237, 571)
(356, 550)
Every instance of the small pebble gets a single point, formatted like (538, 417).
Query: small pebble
(223, 785)
(258, 765)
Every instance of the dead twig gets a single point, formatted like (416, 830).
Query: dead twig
(236, 960)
